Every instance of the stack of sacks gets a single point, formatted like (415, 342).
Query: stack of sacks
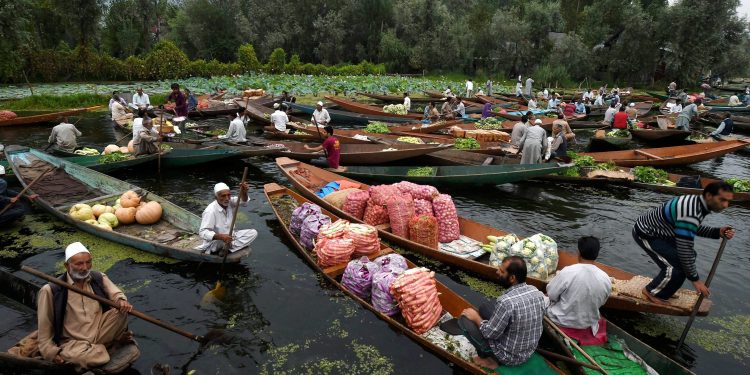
(400, 211)
(417, 295)
(381, 194)
(447, 218)
(299, 214)
(338, 198)
(358, 275)
(331, 247)
(364, 237)
(356, 203)
(423, 230)
(310, 227)
(416, 191)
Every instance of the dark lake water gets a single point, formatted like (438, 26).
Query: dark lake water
(284, 318)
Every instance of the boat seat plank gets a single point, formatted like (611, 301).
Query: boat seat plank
(338, 270)
(646, 154)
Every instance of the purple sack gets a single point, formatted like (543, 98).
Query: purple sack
(357, 277)
(392, 262)
(299, 214)
(382, 300)
(310, 227)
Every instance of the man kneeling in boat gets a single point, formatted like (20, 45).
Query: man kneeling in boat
(64, 136)
(77, 329)
(217, 218)
(508, 332)
(144, 141)
(577, 292)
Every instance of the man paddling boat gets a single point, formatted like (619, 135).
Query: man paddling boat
(77, 329)
(217, 219)
(509, 331)
(320, 115)
(667, 233)
(332, 148)
(687, 113)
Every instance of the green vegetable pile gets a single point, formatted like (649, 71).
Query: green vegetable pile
(422, 171)
(740, 185)
(466, 144)
(490, 123)
(114, 157)
(217, 132)
(397, 109)
(377, 127)
(696, 137)
(414, 140)
(585, 161)
(620, 133)
(166, 147)
(650, 175)
(86, 151)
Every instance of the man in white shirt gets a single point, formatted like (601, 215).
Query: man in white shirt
(578, 291)
(279, 118)
(116, 99)
(320, 115)
(609, 115)
(532, 103)
(734, 100)
(407, 101)
(519, 87)
(140, 100)
(529, 82)
(217, 218)
(677, 107)
(553, 102)
(118, 109)
(460, 109)
(64, 135)
(236, 131)
(599, 99)
(469, 89)
(586, 95)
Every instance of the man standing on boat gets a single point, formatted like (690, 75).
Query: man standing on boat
(77, 329)
(508, 332)
(519, 129)
(529, 82)
(667, 233)
(332, 148)
(217, 219)
(469, 88)
(320, 116)
(407, 101)
(577, 292)
(64, 136)
(533, 143)
(687, 113)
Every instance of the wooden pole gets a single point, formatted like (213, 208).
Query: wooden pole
(161, 125)
(6, 208)
(105, 301)
(573, 343)
(700, 297)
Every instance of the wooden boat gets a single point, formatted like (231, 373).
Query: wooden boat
(452, 157)
(242, 150)
(450, 301)
(174, 236)
(440, 95)
(479, 232)
(396, 98)
(347, 117)
(601, 141)
(457, 175)
(661, 136)
(547, 124)
(262, 114)
(494, 101)
(188, 157)
(362, 154)
(310, 135)
(47, 117)
(423, 128)
(669, 156)
(643, 109)
(728, 108)
(120, 359)
(369, 109)
(219, 110)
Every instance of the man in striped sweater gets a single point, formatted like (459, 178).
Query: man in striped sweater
(667, 235)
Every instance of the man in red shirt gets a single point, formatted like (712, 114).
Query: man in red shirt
(621, 119)
(332, 148)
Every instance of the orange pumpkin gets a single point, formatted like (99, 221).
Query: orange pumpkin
(149, 213)
(126, 215)
(129, 199)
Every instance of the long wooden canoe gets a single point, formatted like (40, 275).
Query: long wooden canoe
(728, 108)
(372, 154)
(471, 229)
(547, 124)
(661, 136)
(450, 301)
(456, 175)
(607, 142)
(369, 109)
(262, 114)
(242, 150)
(505, 104)
(310, 135)
(669, 156)
(174, 236)
(346, 117)
(396, 98)
(439, 95)
(47, 117)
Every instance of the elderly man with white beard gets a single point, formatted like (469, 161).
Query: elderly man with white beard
(217, 218)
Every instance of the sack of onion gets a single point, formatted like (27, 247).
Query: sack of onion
(356, 203)
(447, 218)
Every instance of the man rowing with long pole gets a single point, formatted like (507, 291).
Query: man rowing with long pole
(667, 235)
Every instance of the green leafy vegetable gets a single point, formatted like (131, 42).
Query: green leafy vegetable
(739, 185)
(377, 127)
(490, 123)
(422, 171)
(114, 157)
(650, 175)
(466, 144)
(620, 133)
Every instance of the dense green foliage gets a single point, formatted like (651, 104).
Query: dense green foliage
(555, 41)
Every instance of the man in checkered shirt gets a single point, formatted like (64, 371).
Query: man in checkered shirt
(510, 330)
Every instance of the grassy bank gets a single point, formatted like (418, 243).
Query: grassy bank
(62, 102)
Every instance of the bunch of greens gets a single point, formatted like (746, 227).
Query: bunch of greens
(585, 161)
(422, 171)
(650, 175)
(489, 123)
(114, 157)
(740, 185)
(166, 147)
(466, 144)
(620, 133)
(377, 127)
(398, 109)
(413, 140)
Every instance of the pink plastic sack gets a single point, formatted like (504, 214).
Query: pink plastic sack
(380, 194)
(334, 251)
(447, 218)
(400, 211)
(356, 203)
(375, 214)
(425, 192)
(423, 207)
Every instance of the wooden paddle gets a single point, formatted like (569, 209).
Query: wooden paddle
(219, 291)
(123, 137)
(105, 301)
(17, 197)
(315, 123)
(575, 345)
(161, 125)
(700, 297)
(50, 145)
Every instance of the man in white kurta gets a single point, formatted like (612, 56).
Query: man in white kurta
(529, 83)
(279, 118)
(217, 218)
(320, 115)
(140, 100)
(578, 291)
(236, 131)
(533, 143)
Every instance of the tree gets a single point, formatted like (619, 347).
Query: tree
(574, 56)
(166, 61)
(277, 61)
(14, 18)
(209, 29)
(247, 59)
(329, 37)
(81, 18)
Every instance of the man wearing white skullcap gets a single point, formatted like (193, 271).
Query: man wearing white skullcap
(217, 218)
(18, 207)
(631, 112)
(320, 115)
(279, 119)
(533, 143)
(76, 329)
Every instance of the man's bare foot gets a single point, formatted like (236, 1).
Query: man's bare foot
(486, 362)
(653, 298)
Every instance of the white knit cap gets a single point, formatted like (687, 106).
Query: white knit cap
(320, 104)
(220, 187)
(275, 105)
(538, 122)
(632, 104)
(2, 170)
(74, 249)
